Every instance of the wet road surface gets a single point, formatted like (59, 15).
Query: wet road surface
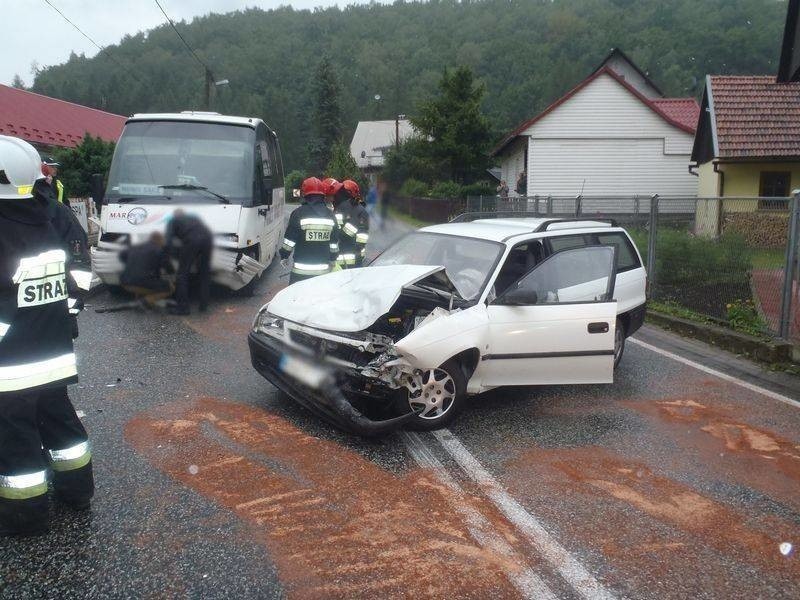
(672, 482)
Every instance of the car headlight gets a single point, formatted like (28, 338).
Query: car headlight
(264, 320)
(228, 237)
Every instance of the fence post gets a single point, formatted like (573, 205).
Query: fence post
(549, 206)
(636, 210)
(788, 268)
(536, 204)
(578, 201)
(651, 246)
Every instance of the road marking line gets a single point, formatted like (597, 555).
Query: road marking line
(559, 557)
(700, 367)
(526, 581)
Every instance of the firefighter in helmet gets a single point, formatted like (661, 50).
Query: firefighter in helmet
(312, 234)
(40, 434)
(331, 186)
(355, 227)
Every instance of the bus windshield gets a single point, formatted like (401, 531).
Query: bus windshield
(169, 161)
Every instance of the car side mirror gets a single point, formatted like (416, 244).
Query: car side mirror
(97, 189)
(518, 297)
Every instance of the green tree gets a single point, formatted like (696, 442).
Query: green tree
(342, 166)
(327, 117)
(17, 82)
(78, 164)
(457, 134)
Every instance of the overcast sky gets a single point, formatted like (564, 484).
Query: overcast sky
(35, 32)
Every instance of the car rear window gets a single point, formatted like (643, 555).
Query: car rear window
(627, 258)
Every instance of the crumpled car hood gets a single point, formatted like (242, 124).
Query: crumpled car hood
(349, 300)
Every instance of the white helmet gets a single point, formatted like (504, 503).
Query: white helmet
(20, 168)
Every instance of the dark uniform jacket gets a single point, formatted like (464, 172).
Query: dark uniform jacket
(36, 342)
(143, 265)
(189, 229)
(313, 236)
(355, 233)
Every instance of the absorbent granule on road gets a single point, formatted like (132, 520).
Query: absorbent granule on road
(335, 524)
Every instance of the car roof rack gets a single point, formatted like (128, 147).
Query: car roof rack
(516, 214)
(502, 214)
(545, 226)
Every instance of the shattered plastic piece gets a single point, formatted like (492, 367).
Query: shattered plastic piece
(785, 548)
(80, 414)
(194, 469)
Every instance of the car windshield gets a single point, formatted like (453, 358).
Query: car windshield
(468, 262)
(173, 161)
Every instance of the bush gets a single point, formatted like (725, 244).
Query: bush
(479, 188)
(743, 315)
(446, 189)
(78, 164)
(414, 188)
(292, 181)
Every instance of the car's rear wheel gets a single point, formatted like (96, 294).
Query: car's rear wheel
(619, 342)
(439, 398)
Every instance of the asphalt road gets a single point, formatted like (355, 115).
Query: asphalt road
(673, 482)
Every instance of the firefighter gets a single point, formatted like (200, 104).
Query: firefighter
(312, 234)
(39, 430)
(331, 186)
(355, 231)
(51, 166)
(196, 245)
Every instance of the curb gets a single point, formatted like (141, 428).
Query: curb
(727, 339)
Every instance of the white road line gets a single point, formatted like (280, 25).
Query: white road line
(750, 386)
(526, 581)
(559, 557)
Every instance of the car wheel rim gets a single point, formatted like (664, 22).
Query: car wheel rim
(617, 344)
(435, 396)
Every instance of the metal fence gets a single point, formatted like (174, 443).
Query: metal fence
(726, 260)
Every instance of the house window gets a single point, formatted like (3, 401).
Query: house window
(774, 184)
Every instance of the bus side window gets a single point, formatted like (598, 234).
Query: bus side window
(266, 172)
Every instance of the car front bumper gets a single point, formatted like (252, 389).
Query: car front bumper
(289, 370)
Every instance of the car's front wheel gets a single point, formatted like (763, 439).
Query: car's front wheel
(438, 399)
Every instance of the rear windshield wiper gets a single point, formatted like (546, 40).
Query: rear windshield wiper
(200, 188)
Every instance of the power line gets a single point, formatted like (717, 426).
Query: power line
(96, 45)
(185, 43)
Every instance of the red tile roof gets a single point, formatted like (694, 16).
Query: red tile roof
(669, 111)
(681, 110)
(49, 121)
(755, 116)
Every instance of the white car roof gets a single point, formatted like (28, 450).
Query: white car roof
(197, 116)
(500, 230)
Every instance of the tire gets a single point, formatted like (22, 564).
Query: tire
(619, 342)
(446, 382)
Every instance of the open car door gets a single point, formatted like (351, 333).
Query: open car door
(555, 324)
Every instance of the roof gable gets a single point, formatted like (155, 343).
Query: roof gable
(49, 121)
(620, 62)
(668, 111)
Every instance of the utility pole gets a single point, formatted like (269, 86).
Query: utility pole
(209, 83)
(397, 131)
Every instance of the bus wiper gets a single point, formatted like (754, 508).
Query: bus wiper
(200, 188)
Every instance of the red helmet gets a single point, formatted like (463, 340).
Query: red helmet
(352, 188)
(312, 187)
(331, 186)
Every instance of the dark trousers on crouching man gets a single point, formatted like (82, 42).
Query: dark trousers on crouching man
(41, 437)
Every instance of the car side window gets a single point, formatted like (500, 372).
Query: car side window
(557, 244)
(520, 260)
(627, 258)
(571, 276)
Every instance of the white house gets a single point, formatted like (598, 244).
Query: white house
(613, 134)
(372, 139)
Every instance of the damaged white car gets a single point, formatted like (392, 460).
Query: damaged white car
(453, 310)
